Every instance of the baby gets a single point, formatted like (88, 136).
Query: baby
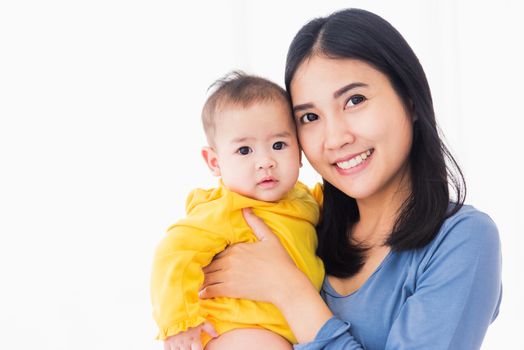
(253, 148)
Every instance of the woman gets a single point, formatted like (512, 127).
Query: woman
(408, 266)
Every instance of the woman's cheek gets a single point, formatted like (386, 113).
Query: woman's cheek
(305, 137)
(313, 153)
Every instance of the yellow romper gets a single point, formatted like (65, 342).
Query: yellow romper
(214, 221)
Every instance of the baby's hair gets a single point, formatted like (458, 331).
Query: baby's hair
(238, 89)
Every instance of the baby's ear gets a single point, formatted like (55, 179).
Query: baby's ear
(211, 159)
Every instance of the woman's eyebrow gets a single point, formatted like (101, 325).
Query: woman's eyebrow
(302, 107)
(348, 87)
(336, 95)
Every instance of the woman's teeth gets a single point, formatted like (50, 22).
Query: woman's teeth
(353, 162)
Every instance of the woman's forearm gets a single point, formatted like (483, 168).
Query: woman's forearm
(302, 306)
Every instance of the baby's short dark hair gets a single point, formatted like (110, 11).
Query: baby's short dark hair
(242, 90)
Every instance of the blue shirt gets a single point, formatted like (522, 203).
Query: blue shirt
(441, 296)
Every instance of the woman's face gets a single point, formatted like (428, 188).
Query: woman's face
(353, 127)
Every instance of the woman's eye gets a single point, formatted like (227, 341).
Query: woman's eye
(355, 100)
(244, 150)
(279, 145)
(308, 118)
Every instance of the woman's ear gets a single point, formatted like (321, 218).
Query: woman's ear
(211, 159)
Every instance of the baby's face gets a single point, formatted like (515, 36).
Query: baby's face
(257, 150)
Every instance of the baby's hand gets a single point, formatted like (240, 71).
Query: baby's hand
(190, 339)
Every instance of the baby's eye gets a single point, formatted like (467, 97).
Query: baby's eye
(308, 118)
(355, 100)
(279, 145)
(244, 150)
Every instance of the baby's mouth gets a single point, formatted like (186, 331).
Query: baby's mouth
(267, 181)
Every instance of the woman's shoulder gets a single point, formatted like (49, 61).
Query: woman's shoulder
(468, 230)
(468, 239)
(469, 221)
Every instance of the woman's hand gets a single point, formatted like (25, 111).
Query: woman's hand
(261, 271)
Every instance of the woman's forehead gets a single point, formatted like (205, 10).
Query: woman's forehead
(321, 75)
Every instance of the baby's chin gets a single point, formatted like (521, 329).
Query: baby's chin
(274, 195)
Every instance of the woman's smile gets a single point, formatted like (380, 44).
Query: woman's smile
(354, 162)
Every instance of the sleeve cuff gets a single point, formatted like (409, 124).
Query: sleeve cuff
(331, 330)
(180, 327)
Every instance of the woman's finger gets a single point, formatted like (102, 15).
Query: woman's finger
(211, 278)
(212, 267)
(259, 227)
(215, 291)
(222, 260)
(207, 293)
(225, 252)
(217, 264)
(222, 254)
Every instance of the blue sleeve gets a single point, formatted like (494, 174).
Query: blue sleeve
(334, 334)
(457, 295)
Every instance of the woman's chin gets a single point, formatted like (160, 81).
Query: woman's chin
(356, 190)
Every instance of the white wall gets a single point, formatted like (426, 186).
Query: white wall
(100, 138)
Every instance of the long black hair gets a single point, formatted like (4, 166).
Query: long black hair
(362, 35)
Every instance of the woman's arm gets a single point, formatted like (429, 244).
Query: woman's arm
(456, 298)
(458, 290)
(263, 271)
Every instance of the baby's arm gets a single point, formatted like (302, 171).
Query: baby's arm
(177, 276)
(190, 339)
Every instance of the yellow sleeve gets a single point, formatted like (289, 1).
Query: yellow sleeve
(318, 193)
(177, 275)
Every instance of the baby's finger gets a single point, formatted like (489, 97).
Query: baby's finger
(209, 329)
(196, 345)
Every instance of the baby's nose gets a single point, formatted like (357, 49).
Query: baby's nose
(266, 163)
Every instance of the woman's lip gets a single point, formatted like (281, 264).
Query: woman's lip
(351, 156)
(355, 169)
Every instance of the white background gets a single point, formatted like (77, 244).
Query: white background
(100, 142)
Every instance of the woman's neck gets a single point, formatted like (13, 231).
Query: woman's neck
(379, 213)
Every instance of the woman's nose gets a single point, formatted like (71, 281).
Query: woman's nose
(337, 133)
